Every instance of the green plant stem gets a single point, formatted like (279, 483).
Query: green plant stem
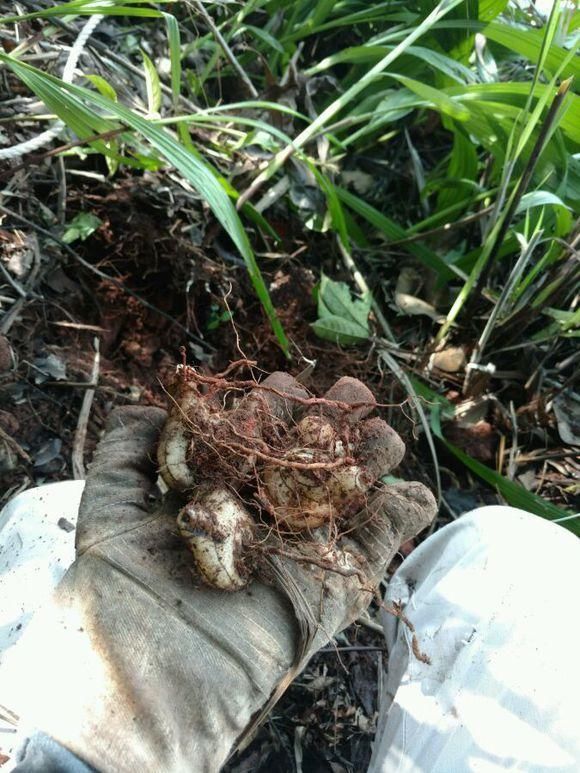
(221, 41)
(523, 183)
(480, 273)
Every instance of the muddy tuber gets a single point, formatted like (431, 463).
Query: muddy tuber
(269, 456)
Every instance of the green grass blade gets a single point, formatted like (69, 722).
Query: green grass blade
(514, 494)
(394, 232)
(68, 101)
(84, 9)
(409, 387)
(174, 41)
(153, 85)
(444, 104)
(343, 100)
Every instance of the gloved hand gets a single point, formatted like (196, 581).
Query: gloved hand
(136, 666)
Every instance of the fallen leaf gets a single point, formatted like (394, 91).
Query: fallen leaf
(49, 367)
(451, 360)
(408, 285)
(48, 452)
(567, 412)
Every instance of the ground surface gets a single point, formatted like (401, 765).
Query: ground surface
(327, 718)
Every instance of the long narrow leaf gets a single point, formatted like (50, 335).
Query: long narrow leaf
(514, 494)
(394, 232)
(66, 99)
(338, 104)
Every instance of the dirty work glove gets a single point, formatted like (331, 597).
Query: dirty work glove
(136, 666)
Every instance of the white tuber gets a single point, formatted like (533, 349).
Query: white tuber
(217, 529)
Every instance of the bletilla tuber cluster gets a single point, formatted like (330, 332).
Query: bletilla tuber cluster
(251, 454)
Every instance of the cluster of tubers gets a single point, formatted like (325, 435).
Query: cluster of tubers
(267, 456)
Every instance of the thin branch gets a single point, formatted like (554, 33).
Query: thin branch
(9, 440)
(78, 466)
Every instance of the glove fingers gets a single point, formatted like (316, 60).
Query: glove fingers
(122, 475)
(393, 515)
(380, 448)
(283, 383)
(350, 391)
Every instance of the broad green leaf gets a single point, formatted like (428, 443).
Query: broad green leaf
(81, 227)
(339, 330)
(341, 318)
(335, 298)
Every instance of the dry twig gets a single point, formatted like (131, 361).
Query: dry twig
(78, 467)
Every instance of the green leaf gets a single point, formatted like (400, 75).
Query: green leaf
(348, 96)
(489, 9)
(526, 42)
(394, 232)
(529, 43)
(463, 165)
(153, 85)
(81, 227)
(445, 64)
(539, 199)
(339, 330)
(341, 318)
(513, 493)
(265, 36)
(174, 40)
(85, 8)
(437, 98)
(336, 299)
(102, 86)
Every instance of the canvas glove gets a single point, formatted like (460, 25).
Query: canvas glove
(136, 665)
